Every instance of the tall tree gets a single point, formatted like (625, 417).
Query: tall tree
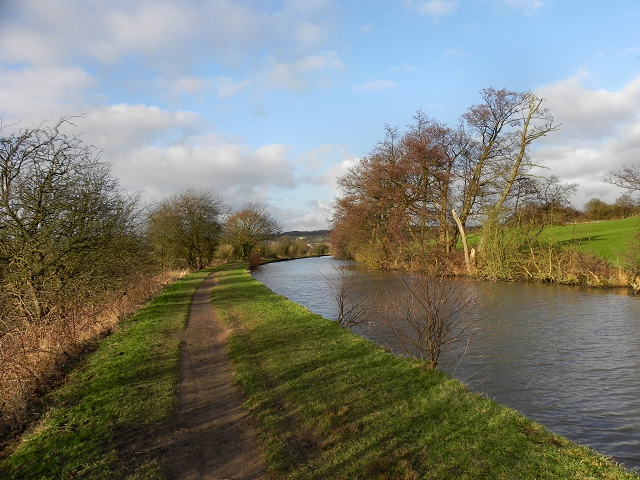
(66, 230)
(373, 211)
(433, 152)
(185, 228)
(396, 200)
(503, 127)
(249, 226)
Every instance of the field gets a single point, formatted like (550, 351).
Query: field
(607, 239)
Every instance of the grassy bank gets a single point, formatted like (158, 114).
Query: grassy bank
(121, 395)
(607, 239)
(333, 405)
(330, 404)
(597, 254)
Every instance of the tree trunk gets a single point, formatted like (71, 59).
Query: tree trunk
(463, 236)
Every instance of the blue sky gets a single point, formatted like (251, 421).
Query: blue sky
(272, 100)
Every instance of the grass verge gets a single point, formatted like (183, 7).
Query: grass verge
(119, 396)
(333, 405)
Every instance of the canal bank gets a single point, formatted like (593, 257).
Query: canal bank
(564, 356)
(335, 405)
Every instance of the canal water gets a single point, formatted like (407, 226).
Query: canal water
(565, 357)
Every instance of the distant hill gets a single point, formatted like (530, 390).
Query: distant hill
(303, 233)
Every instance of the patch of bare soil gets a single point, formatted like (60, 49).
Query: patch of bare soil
(213, 437)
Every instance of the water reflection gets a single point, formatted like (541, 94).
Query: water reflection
(566, 357)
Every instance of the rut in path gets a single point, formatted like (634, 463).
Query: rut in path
(213, 438)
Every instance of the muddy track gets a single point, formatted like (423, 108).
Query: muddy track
(213, 437)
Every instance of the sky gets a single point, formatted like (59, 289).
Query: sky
(271, 101)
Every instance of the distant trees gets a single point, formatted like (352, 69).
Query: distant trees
(249, 226)
(288, 247)
(397, 203)
(624, 206)
(184, 229)
(543, 202)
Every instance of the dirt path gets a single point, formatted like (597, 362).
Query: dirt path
(213, 437)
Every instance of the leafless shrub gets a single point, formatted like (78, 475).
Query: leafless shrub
(434, 316)
(255, 259)
(350, 296)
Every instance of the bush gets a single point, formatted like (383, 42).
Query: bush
(225, 253)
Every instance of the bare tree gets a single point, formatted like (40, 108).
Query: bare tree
(352, 299)
(436, 315)
(628, 177)
(249, 226)
(67, 232)
(503, 126)
(185, 228)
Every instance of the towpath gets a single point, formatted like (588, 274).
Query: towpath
(213, 437)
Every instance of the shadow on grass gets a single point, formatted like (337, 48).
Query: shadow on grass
(333, 405)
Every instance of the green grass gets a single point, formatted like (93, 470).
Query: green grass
(607, 239)
(121, 394)
(330, 404)
(333, 405)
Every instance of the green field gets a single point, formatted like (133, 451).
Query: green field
(607, 239)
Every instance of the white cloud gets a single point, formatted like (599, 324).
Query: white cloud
(154, 31)
(227, 87)
(600, 131)
(526, 5)
(375, 86)
(235, 171)
(432, 8)
(437, 8)
(313, 215)
(189, 85)
(119, 129)
(591, 114)
(157, 152)
(313, 70)
(35, 94)
(309, 34)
